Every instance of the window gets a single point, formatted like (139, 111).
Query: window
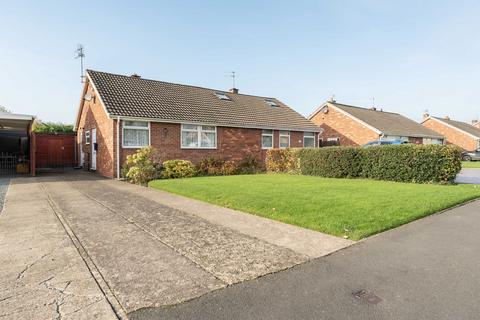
(267, 139)
(222, 96)
(199, 137)
(135, 134)
(333, 142)
(87, 137)
(308, 139)
(271, 103)
(432, 141)
(284, 139)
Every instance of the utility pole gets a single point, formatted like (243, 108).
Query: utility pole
(80, 54)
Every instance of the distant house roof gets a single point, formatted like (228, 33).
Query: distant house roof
(387, 123)
(133, 96)
(463, 126)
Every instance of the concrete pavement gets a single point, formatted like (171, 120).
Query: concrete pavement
(428, 269)
(42, 275)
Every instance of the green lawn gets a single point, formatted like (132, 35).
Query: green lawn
(471, 164)
(341, 207)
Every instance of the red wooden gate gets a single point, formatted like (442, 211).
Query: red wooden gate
(54, 150)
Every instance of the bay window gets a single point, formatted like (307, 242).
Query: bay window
(309, 139)
(284, 139)
(267, 139)
(198, 137)
(135, 134)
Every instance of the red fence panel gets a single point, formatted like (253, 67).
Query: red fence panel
(54, 150)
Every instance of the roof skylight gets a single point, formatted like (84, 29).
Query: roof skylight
(271, 103)
(222, 96)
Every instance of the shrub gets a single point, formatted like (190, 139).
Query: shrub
(402, 163)
(250, 164)
(178, 169)
(141, 167)
(213, 166)
(282, 160)
(333, 162)
(210, 166)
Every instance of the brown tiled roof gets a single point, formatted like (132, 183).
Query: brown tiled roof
(462, 126)
(131, 96)
(389, 123)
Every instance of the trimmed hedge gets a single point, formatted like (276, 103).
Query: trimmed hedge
(401, 163)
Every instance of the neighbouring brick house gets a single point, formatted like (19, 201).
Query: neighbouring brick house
(476, 124)
(459, 133)
(180, 121)
(355, 126)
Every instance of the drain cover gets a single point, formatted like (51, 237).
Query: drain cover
(368, 297)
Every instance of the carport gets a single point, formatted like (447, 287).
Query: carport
(15, 144)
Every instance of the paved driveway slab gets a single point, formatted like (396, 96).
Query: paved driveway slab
(42, 276)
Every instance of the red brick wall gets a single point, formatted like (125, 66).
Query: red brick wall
(338, 125)
(92, 116)
(453, 136)
(232, 143)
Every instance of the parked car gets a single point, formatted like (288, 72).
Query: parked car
(380, 142)
(471, 155)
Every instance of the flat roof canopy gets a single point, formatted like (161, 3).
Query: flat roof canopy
(11, 121)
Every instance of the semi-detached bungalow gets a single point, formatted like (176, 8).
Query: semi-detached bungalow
(353, 126)
(119, 114)
(458, 133)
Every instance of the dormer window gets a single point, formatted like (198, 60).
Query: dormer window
(222, 96)
(271, 103)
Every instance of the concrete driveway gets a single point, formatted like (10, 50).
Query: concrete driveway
(121, 248)
(469, 176)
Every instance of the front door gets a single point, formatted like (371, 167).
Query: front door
(94, 149)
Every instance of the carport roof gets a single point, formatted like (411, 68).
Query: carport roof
(12, 121)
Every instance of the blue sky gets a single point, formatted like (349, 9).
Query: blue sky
(409, 55)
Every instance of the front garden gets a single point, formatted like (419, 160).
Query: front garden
(355, 208)
(343, 191)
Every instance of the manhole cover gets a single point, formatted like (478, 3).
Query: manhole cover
(368, 297)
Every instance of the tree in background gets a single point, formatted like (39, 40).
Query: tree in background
(52, 127)
(4, 109)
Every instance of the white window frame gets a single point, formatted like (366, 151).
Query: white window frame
(309, 137)
(267, 135)
(87, 136)
(333, 139)
(147, 128)
(199, 131)
(283, 133)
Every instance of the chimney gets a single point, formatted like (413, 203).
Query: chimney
(447, 118)
(135, 76)
(425, 115)
(474, 122)
(234, 90)
(373, 108)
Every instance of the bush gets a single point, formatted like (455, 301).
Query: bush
(250, 164)
(178, 169)
(52, 127)
(213, 166)
(283, 160)
(402, 163)
(141, 167)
